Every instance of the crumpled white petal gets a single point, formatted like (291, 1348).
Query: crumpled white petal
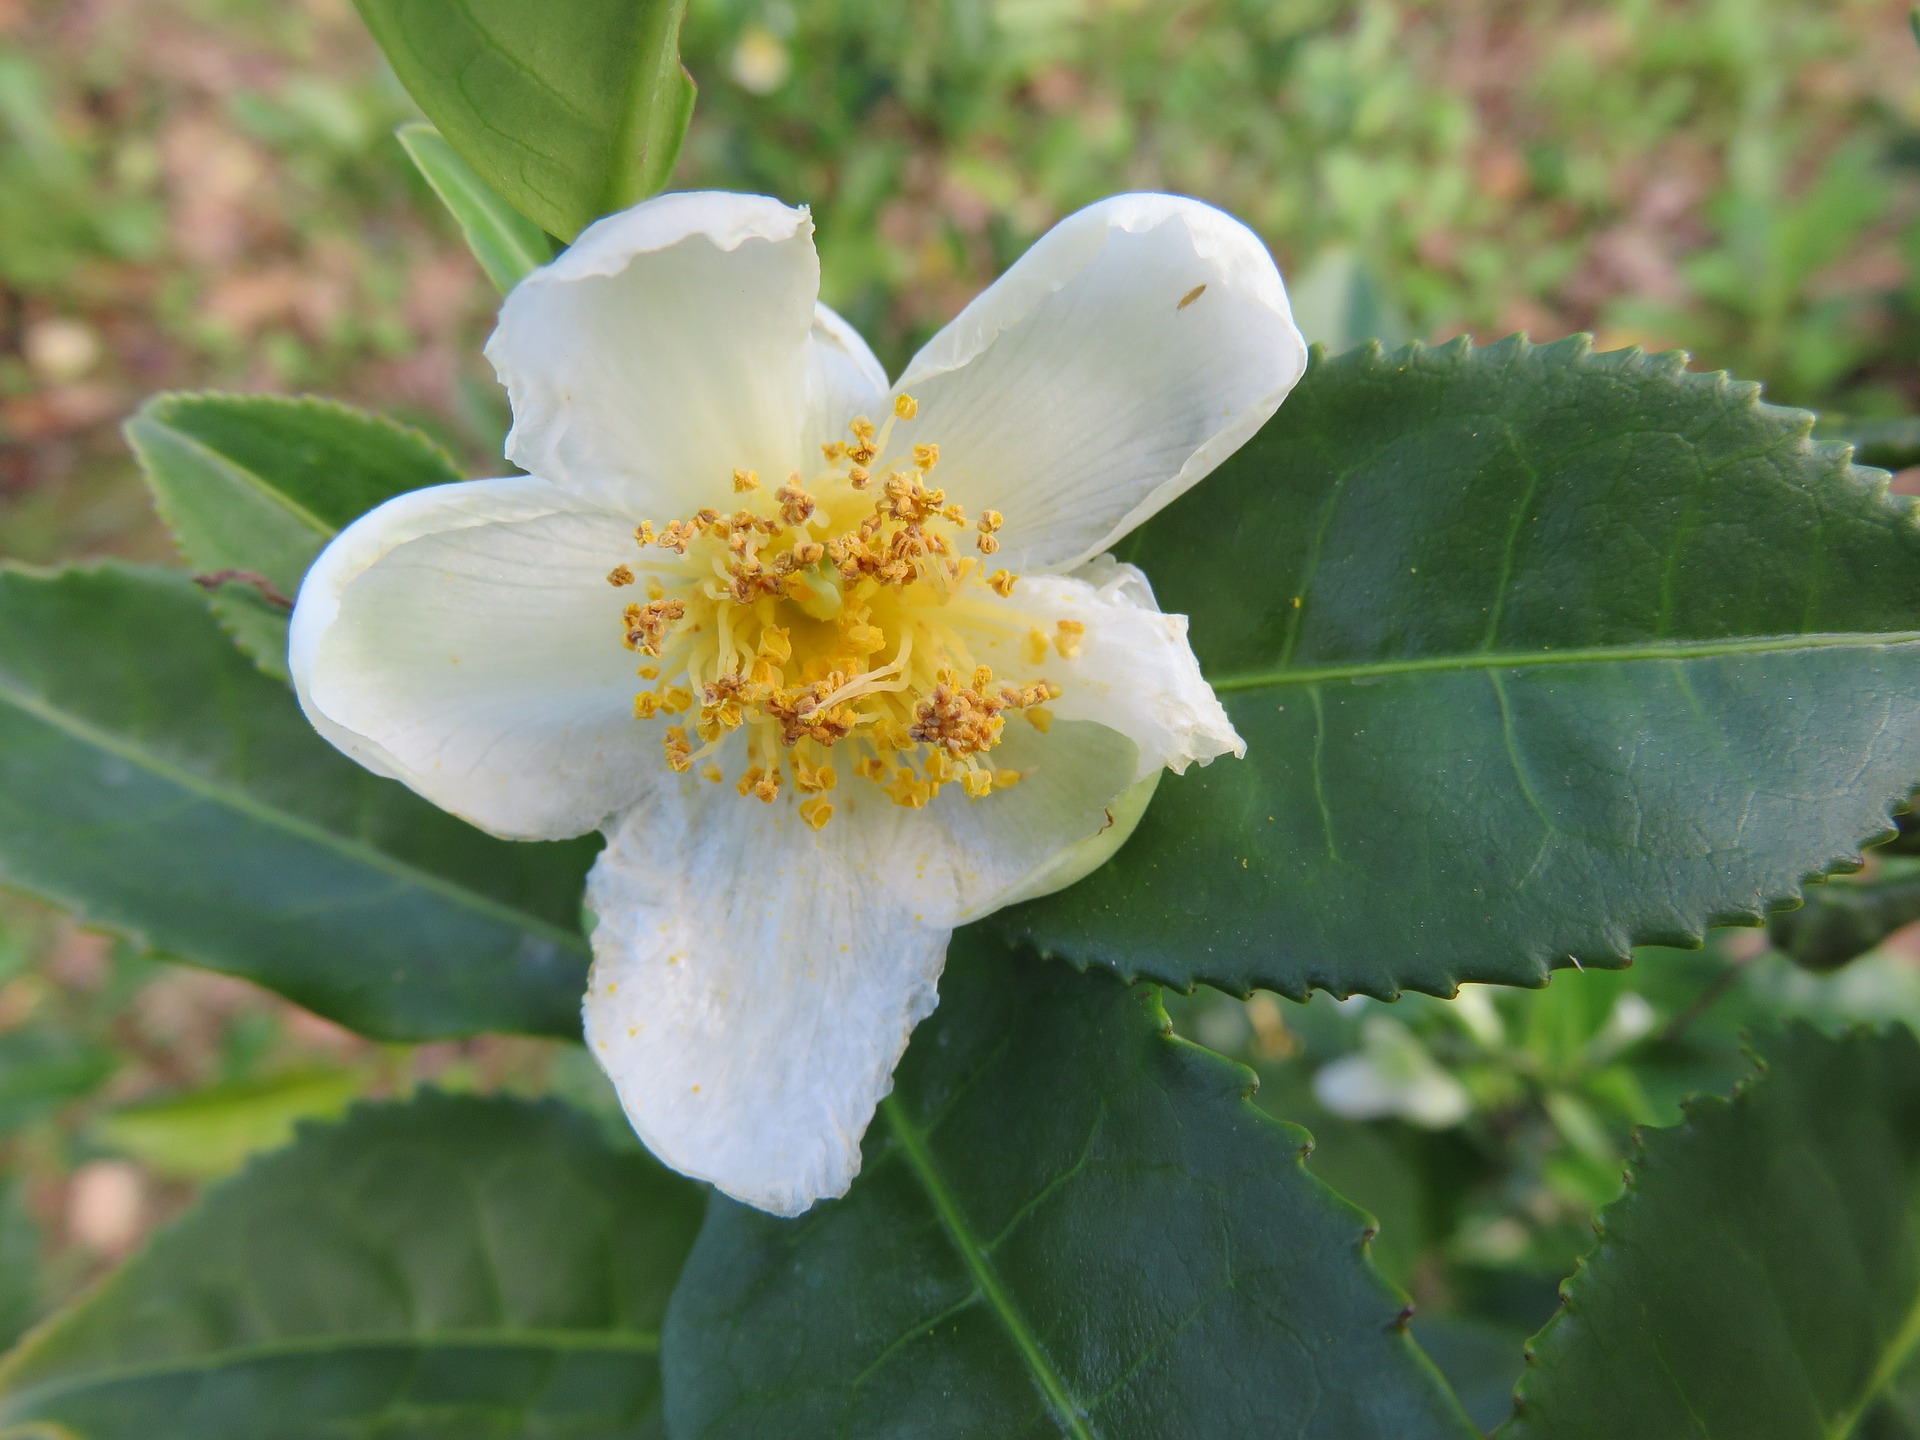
(1132, 349)
(666, 347)
(843, 380)
(1134, 670)
(755, 981)
(463, 639)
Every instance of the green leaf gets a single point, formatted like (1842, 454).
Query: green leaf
(1843, 920)
(507, 244)
(1760, 1279)
(155, 782)
(487, 1269)
(209, 1132)
(569, 111)
(1538, 654)
(259, 484)
(1067, 1223)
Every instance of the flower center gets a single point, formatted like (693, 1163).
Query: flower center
(831, 621)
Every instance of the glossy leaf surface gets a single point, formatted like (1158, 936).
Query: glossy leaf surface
(489, 1269)
(1539, 655)
(156, 783)
(1067, 1223)
(1760, 1279)
(569, 112)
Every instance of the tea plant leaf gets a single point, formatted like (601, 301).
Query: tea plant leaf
(1844, 920)
(485, 1268)
(1539, 655)
(508, 246)
(570, 111)
(254, 486)
(1760, 1279)
(156, 783)
(1067, 1223)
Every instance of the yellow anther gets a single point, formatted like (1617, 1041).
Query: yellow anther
(989, 544)
(1067, 641)
(837, 609)
(814, 782)
(620, 575)
(679, 752)
(906, 407)
(1040, 718)
(643, 534)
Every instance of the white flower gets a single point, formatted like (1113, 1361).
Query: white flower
(862, 679)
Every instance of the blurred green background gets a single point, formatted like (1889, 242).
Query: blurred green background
(205, 193)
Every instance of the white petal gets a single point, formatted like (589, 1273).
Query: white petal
(1132, 349)
(755, 981)
(666, 347)
(463, 639)
(1134, 671)
(843, 380)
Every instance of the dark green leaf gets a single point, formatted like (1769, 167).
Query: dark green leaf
(258, 484)
(1890, 444)
(155, 782)
(569, 111)
(41, 1069)
(1760, 1279)
(1539, 654)
(507, 244)
(1068, 1223)
(1845, 919)
(452, 1267)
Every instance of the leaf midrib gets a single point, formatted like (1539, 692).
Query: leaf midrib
(1588, 655)
(630, 1342)
(239, 800)
(913, 1146)
(1899, 1350)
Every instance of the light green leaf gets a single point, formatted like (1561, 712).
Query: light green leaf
(508, 245)
(209, 1132)
(1760, 1279)
(1067, 1223)
(258, 484)
(486, 1269)
(1538, 654)
(155, 782)
(569, 111)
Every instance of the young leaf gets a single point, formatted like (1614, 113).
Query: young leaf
(210, 1132)
(569, 111)
(1760, 1279)
(450, 1266)
(155, 782)
(1538, 654)
(254, 486)
(507, 244)
(1067, 1223)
